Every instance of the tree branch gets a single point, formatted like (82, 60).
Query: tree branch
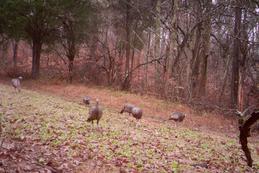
(245, 133)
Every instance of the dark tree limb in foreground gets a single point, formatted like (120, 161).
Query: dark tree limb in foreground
(245, 133)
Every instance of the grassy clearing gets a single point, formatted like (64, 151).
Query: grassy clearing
(147, 147)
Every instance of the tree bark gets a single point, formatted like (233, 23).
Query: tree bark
(71, 56)
(36, 52)
(195, 63)
(196, 58)
(126, 83)
(132, 65)
(203, 78)
(241, 89)
(205, 49)
(224, 79)
(157, 47)
(15, 50)
(236, 55)
(242, 63)
(70, 70)
(147, 59)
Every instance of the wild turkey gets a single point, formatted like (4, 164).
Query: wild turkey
(127, 108)
(137, 112)
(16, 83)
(95, 113)
(131, 109)
(86, 100)
(177, 116)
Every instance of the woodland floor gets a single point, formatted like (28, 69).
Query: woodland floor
(45, 130)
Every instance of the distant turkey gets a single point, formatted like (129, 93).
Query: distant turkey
(127, 108)
(177, 116)
(16, 83)
(95, 113)
(131, 109)
(86, 100)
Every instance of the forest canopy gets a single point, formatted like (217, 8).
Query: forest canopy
(193, 51)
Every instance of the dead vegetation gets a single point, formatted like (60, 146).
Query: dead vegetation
(48, 133)
(155, 109)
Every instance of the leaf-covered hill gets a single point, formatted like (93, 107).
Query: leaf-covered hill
(48, 133)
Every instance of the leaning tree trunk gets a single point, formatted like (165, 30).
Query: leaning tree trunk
(36, 51)
(245, 133)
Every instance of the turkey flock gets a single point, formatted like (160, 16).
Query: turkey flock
(96, 111)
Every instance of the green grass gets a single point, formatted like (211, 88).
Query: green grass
(164, 148)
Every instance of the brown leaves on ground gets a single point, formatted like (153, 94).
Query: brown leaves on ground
(49, 134)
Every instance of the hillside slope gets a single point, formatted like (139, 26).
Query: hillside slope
(43, 132)
(154, 109)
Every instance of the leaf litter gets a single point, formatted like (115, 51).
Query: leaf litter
(49, 134)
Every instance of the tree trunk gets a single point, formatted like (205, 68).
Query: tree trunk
(236, 55)
(205, 49)
(71, 56)
(242, 62)
(195, 63)
(70, 70)
(173, 39)
(203, 78)
(120, 65)
(157, 47)
(15, 49)
(132, 65)
(126, 83)
(196, 58)
(3, 54)
(225, 77)
(241, 89)
(165, 69)
(147, 58)
(36, 52)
